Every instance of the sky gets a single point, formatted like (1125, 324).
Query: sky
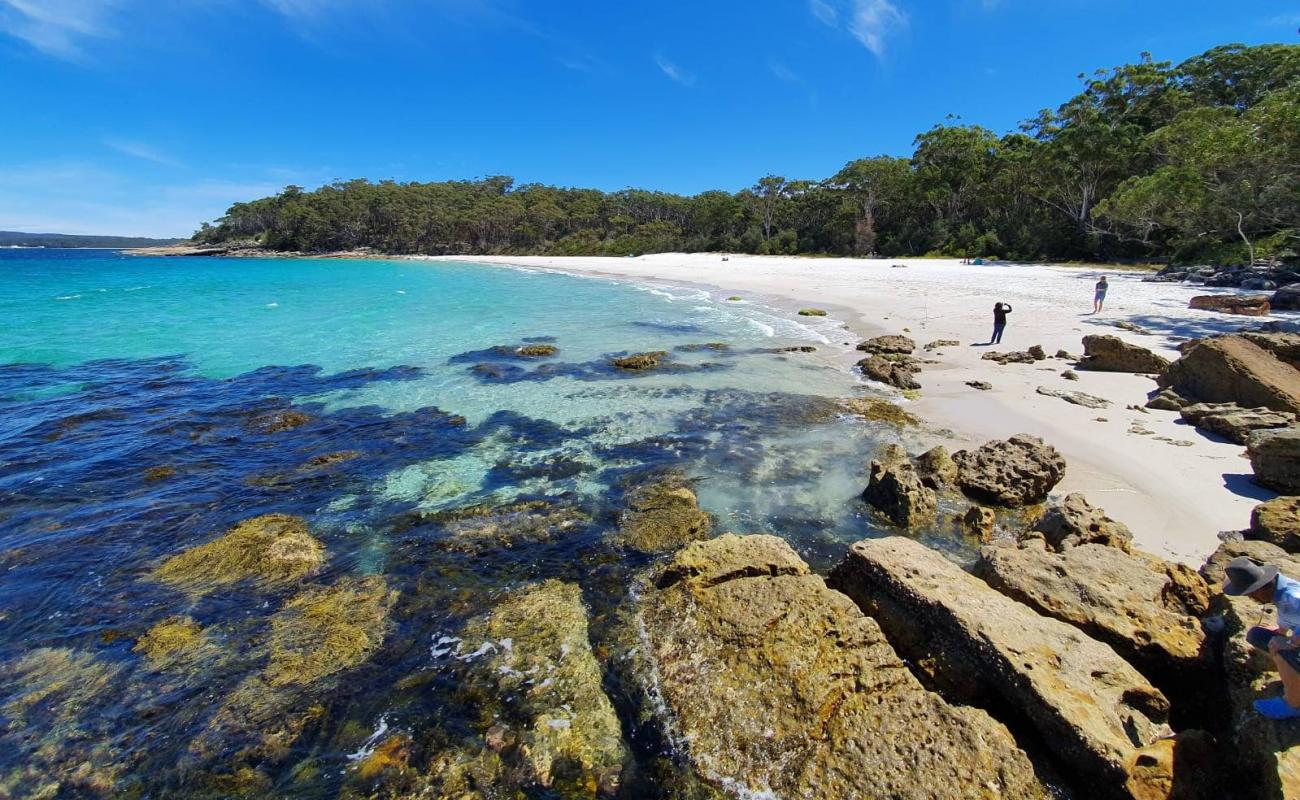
(148, 117)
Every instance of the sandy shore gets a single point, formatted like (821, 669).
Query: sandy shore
(1175, 487)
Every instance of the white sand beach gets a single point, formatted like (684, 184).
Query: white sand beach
(1174, 486)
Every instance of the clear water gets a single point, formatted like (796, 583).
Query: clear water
(112, 366)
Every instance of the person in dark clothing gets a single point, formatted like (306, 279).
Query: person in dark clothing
(1000, 311)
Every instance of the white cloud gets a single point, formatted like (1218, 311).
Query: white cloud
(675, 72)
(784, 73)
(141, 151)
(57, 27)
(871, 22)
(825, 12)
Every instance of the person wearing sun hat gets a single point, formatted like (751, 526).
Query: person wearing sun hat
(1265, 584)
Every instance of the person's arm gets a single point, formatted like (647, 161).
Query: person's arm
(1006, 307)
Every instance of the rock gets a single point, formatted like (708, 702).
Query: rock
(983, 386)
(1188, 766)
(1166, 400)
(878, 410)
(159, 473)
(1074, 521)
(811, 312)
(556, 722)
(981, 522)
(174, 641)
(662, 516)
(271, 550)
(1089, 707)
(896, 491)
(1246, 306)
(482, 529)
(1277, 522)
(1233, 422)
(1113, 354)
(901, 345)
(1232, 369)
(282, 420)
(1275, 458)
(640, 361)
(1014, 357)
(936, 468)
(537, 350)
(1283, 345)
(1130, 602)
(803, 348)
(1258, 285)
(1286, 298)
(328, 629)
(1260, 551)
(1017, 472)
(1077, 398)
(1070, 375)
(1036, 353)
(1064, 355)
(938, 343)
(900, 374)
(776, 686)
(717, 347)
(1125, 325)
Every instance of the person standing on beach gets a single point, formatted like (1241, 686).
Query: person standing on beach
(1267, 585)
(1099, 297)
(1000, 311)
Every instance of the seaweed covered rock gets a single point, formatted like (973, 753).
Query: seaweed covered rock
(556, 722)
(1103, 353)
(640, 361)
(878, 410)
(285, 419)
(1233, 369)
(662, 516)
(897, 492)
(1277, 522)
(893, 343)
(1074, 521)
(1089, 706)
(271, 550)
(1017, 472)
(1275, 458)
(775, 685)
(328, 629)
(172, 642)
(537, 350)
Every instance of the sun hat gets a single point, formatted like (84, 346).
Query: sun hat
(1245, 576)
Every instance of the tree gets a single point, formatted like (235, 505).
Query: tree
(769, 191)
(871, 183)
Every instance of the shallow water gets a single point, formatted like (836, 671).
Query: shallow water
(148, 405)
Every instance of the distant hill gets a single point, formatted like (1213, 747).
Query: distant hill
(9, 238)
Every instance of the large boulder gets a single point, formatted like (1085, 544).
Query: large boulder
(1017, 472)
(662, 516)
(894, 343)
(1233, 422)
(1284, 345)
(1131, 602)
(776, 686)
(1275, 458)
(1233, 369)
(1286, 298)
(1089, 706)
(1277, 522)
(1074, 521)
(1113, 354)
(1262, 552)
(896, 490)
(1244, 305)
(899, 373)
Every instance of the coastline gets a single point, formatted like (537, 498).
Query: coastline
(1175, 487)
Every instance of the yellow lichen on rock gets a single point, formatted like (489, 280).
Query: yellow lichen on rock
(328, 629)
(270, 549)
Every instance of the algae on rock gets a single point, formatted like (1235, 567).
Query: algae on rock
(273, 549)
(173, 641)
(662, 516)
(328, 629)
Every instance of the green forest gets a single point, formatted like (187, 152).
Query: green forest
(1194, 162)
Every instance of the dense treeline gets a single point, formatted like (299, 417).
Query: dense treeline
(1151, 160)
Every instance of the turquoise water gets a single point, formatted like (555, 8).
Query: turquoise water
(135, 395)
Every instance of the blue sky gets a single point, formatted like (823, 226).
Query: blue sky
(147, 117)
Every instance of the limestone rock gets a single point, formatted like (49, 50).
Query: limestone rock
(938, 343)
(1037, 353)
(980, 521)
(1261, 552)
(1189, 766)
(776, 686)
(1017, 472)
(1286, 298)
(1277, 522)
(270, 550)
(662, 516)
(1275, 458)
(936, 468)
(1284, 346)
(983, 386)
(1232, 369)
(1233, 422)
(896, 491)
(1089, 706)
(900, 374)
(1113, 354)
(881, 345)
(1166, 400)
(1074, 521)
(1016, 356)
(1076, 398)
(1244, 305)
(640, 361)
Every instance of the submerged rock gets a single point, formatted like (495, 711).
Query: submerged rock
(662, 516)
(270, 550)
(482, 529)
(1113, 354)
(640, 361)
(277, 421)
(537, 350)
(1017, 472)
(775, 685)
(173, 641)
(1090, 708)
(328, 629)
(1074, 521)
(878, 410)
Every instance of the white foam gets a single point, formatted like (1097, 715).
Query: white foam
(272, 305)
(69, 297)
(367, 748)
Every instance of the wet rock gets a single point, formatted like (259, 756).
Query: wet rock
(1277, 522)
(1074, 521)
(936, 468)
(1246, 306)
(900, 374)
(1232, 369)
(281, 420)
(483, 529)
(662, 516)
(1113, 354)
(811, 312)
(717, 347)
(1130, 602)
(878, 410)
(640, 361)
(159, 473)
(775, 685)
(803, 348)
(271, 550)
(174, 641)
(980, 522)
(1090, 708)
(328, 629)
(1166, 400)
(1286, 298)
(1017, 472)
(938, 343)
(1076, 398)
(1275, 458)
(900, 345)
(556, 721)
(1233, 422)
(537, 350)
(983, 386)
(897, 492)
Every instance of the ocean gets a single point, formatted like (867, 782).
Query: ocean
(150, 405)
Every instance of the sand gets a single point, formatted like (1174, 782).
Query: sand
(1174, 486)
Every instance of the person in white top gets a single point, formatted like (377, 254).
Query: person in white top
(1265, 584)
